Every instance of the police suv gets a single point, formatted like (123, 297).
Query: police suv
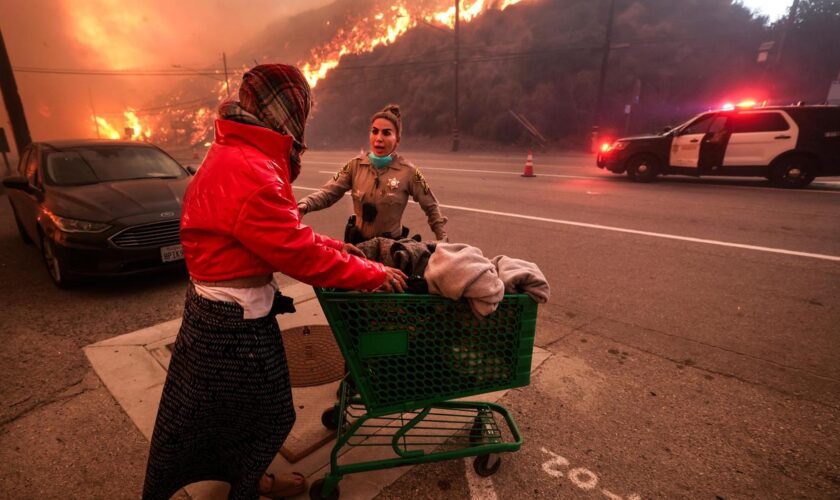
(790, 145)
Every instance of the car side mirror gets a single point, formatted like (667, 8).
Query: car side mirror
(17, 182)
(191, 169)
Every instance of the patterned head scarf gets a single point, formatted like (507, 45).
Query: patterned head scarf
(391, 113)
(278, 97)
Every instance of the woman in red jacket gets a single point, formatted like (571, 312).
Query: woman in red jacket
(227, 404)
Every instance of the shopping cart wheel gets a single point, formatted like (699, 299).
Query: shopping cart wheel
(330, 418)
(351, 387)
(477, 431)
(315, 491)
(487, 465)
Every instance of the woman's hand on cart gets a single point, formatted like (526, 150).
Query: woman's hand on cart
(394, 281)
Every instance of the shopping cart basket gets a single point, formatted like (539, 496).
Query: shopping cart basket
(409, 357)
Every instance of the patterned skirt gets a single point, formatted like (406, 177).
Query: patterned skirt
(227, 404)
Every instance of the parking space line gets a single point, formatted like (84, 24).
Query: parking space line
(481, 488)
(742, 246)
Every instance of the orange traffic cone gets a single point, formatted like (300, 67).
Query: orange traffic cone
(529, 166)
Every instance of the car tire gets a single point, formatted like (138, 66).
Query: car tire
(25, 237)
(643, 168)
(792, 172)
(55, 267)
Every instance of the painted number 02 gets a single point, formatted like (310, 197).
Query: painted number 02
(583, 478)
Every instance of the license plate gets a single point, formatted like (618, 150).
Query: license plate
(171, 253)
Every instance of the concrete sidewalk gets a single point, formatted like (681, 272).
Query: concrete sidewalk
(133, 368)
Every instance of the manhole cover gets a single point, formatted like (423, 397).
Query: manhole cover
(313, 355)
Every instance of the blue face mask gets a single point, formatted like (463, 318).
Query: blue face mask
(380, 161)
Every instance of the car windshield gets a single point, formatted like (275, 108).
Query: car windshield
(95, 164)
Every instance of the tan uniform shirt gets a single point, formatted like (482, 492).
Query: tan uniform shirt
(387, 189)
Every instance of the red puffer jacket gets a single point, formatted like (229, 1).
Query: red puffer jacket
(240, 218)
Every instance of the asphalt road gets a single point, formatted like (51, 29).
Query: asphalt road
(693, 327)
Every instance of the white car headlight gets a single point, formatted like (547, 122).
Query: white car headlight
(77, 226)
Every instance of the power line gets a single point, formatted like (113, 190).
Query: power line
(98, 72)
(204, 100)
(218, 73)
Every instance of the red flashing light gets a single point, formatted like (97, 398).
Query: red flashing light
(605, 147)
(747, 103)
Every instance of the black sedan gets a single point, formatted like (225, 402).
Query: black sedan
(99, 207)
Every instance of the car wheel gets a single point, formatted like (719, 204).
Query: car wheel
(792, 172)
(643, 168)
(54, 265)
(25, 237)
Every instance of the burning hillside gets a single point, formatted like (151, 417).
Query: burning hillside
(345, 28)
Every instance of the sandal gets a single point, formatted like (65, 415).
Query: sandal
(286, 485)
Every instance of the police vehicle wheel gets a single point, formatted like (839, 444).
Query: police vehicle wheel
(643, 168)
(792, 172)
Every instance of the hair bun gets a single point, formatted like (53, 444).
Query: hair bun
(394, 109)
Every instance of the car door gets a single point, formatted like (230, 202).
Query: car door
(28, 205)
(758, 137)
(685, 146)
(714, 143)
(16, 195)
(18, 198)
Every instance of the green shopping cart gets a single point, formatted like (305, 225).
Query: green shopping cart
(410, 357)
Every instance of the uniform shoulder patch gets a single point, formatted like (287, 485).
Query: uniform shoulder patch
(345, 168)
(419, 178)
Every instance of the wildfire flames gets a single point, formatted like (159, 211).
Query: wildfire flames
(361, 35)
(133, 129)
(383, 28)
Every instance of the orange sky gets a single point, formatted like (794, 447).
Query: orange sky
(115, 34)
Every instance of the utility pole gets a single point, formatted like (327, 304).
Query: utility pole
(603, 78)
(11, 98)
(791, 18)
(93, 114)
(224, 63)
(455, 133)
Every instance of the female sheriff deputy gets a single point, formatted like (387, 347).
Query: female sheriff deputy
(380, 183)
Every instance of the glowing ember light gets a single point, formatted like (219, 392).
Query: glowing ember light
(746, 104)
(202, 121)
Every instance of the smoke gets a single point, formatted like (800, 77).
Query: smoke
(108, 35)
